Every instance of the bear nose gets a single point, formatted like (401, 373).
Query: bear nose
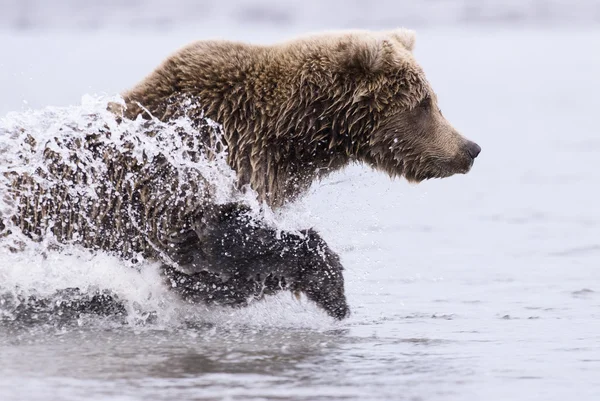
(473, 149)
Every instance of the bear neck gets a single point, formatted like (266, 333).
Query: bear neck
(280, 158)
(280, 167)
(280, 136)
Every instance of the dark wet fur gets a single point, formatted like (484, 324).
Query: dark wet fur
(231, 258)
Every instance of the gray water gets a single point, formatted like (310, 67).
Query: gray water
(477, 287)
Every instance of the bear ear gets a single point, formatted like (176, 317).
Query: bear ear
(406, 37)
(363, 55)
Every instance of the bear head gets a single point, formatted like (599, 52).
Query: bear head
(386, 114)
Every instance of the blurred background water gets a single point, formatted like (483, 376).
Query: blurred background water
(161, 15)
(484, 286)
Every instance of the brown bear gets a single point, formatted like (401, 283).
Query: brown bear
(291, 113)
(296, 111)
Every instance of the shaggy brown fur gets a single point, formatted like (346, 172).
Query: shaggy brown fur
(296, 111)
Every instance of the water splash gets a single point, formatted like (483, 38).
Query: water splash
(40, 271)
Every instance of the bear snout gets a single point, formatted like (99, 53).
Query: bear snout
(473, 149)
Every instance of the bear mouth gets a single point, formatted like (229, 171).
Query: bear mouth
(438, 169)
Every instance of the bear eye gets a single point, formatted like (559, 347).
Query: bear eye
(425, 103)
